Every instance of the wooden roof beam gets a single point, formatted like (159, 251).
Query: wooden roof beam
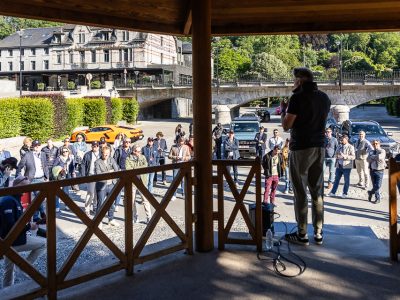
(12, 8)
(188, 23)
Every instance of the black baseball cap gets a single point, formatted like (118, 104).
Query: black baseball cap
(95, 143)
(36, 143)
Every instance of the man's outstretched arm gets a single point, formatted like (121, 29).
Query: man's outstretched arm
(288, 121)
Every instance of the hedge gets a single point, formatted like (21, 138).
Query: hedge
(37, 118)
(10, 124)
(116, 110)
(130, 110)
(392, 106)
(94, 112)
(75, 111)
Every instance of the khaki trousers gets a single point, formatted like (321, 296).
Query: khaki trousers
(306, 171)
(146, 204)
(362, 171)
(36, 246)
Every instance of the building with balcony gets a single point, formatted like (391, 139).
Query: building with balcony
(58, 55)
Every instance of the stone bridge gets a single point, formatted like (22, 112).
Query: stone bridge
(350, 94)
(227, 97)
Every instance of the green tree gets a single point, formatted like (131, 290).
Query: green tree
(269, 66)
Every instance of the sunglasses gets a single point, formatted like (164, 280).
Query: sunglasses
(65, 152)
(375, 143)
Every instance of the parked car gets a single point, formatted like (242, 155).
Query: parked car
(109, 132)
(264, 114)
(373, 131)
(245, 129)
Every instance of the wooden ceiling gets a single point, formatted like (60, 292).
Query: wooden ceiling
(229, 17)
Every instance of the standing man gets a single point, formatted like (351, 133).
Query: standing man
(344, 163)
(231, 151)
(161, 145)
(272, 164)
(179, 153)
(362, 147)
(150, 152)
(87, 169)
(217, 136)
(306, 116)
(120, 156)
(105, 164)
(261, 140)
(276, 140)
(51, 153)
(331, 146)
(35, 168)
(377, 165)
(136, 161)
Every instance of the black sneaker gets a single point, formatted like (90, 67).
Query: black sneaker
(318, 238)
(295, 238)
(370, 196)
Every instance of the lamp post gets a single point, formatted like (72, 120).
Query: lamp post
(136, 82)
(339, 44)
(20, 33)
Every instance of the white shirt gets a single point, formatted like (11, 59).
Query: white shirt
(38, 165)
(95, 156)
(273, 141)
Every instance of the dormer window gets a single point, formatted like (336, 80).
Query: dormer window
(81, 38)
(125, 36)
(106, 36)
(57, 38)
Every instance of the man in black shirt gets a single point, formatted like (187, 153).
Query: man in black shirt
(306, 117)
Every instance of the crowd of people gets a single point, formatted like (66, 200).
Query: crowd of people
(48, 163)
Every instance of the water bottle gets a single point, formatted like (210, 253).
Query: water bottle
(269, 240)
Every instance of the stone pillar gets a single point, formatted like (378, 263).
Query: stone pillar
(222, 114)
(341, 113)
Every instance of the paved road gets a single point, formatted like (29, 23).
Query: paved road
(355, 211)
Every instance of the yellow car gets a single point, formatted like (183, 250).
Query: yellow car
(109, 132)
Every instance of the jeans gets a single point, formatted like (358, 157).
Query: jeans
(218, 146)
(330, 163)
(271, 183)
(306, 170)
(376, 178)
(340, 171)
(91, 196)
(103, 190)
(161, 162)
(288, 184)
(150, 182)
(41, 210)
(36, 245)
(65, 190)
(260, 151)
(174, 173)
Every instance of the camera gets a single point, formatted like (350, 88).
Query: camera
(41, 232)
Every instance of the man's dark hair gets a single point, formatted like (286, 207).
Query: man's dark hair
(304, 74)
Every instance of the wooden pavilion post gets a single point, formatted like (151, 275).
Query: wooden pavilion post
(202, 101)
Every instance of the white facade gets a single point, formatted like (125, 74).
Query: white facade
(83, 47)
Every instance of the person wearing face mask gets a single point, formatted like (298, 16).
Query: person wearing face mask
(305, 117)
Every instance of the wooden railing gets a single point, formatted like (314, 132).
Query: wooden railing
(394, 178)
(57, 280)
(219, 215)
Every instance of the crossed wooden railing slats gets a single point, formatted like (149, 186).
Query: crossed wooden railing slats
(54, 280)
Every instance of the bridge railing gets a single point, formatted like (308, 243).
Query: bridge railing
(332, 78)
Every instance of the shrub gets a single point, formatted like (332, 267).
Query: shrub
(10, 124)
(60, 116)
(75, 110)
(94, 112)
(116, 110)
(130, 110)
(37, 117)
(71, 85)
(40, 86)
(95, 84)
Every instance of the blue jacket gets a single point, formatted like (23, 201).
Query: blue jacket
(10, 211)
(231, 147)
(4, 154)
(151, 155)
